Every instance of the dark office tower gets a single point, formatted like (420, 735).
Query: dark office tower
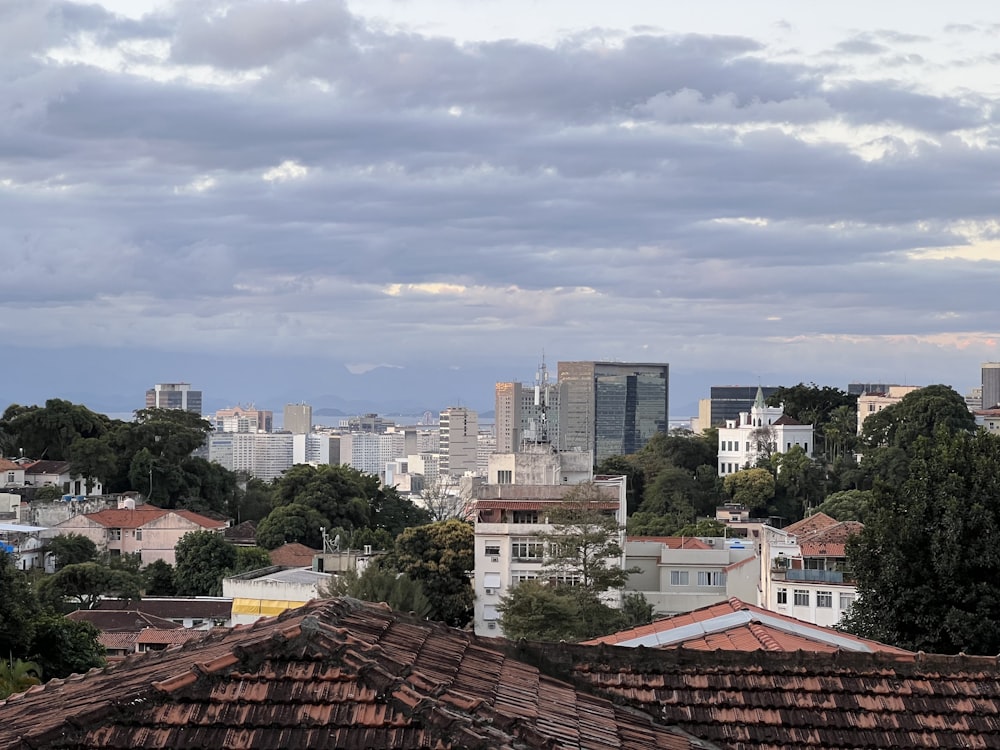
(991, 385)
(729, 401)
(611, 408)
(174, 396)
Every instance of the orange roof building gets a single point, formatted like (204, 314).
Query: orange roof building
(148, 531)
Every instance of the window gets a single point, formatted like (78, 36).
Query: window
(801, 598)
(519, 576)
(566, 579)
(711, 578)
(491, 581)
(678, 578)
(524, 516)
(782, 596)
(824, 599)
(10, 477)
(490, 613)
(526, 548)
(505, 476)
(138, 535)
(492, 548)
(846, 600)
(114, 535)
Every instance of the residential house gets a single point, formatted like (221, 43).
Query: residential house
(124, 632)
(734, 625)
(508, 550)
(11, 473)
(293, 555)
(60, 474)
(146, 530)
(804, 570)
(191, 612)
(340, 673)
(761, 432)
(872, 402)
(679, 574)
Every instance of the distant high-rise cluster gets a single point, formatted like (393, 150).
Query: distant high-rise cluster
(174, 396)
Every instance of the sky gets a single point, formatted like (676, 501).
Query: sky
(393, 204)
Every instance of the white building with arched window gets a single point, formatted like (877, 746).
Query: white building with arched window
(760, 433)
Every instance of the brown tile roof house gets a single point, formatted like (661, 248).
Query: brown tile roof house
(121, 620)
(737, 626)
(340, 674)
(175, 608)
(293, 555)
(333, 674)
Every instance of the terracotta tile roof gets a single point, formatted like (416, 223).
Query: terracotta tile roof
(734, 625)
(127, 620)
(810, 524)
(47, 467)
(784, 419)
(293, 555)
(333, 674)
(673, 542)
(245, 532)
(129, 518)
(157, 636)
(173, 608)
(119, 641)
(831, 541)
(798, 700)
(6, 465)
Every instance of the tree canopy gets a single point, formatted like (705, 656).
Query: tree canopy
(927, 563)
(204, 558)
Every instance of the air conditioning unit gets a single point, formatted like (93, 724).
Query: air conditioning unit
(491, 591)
(495, 559)
(491, 626)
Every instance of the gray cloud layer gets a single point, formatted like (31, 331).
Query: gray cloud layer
(290, 175)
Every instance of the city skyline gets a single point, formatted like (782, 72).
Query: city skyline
(412, 201)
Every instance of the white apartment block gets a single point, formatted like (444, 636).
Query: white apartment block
(762, 431)
(683, 574)
(873, 403)
(804, 570)
(486, 446)
(540, 464)
(508, 519)
(263, 455)
(459, 435)
(369, 452)
(243, 419)
(315, 448)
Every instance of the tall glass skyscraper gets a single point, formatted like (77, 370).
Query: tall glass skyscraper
(611, 408)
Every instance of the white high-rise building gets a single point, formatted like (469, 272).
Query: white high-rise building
(369, 452)
(459, 433)
(263, 455)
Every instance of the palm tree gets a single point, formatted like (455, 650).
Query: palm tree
(18, 676)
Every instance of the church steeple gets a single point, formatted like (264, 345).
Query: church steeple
(758, 403)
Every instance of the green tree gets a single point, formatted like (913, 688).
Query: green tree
(536, 611)
(17, 676)
(376, 584)
(86, 583)
(927, 563)
(392, 512)
(70, 549)
(62, 647)
(340, 494)
(158, 579)
(48, 493)
(752, 488)
(706, 527)
(847, 505)
(918, 414)
(18, 609)
(635, 482)
(798, 484)
(49, 431)
(636, 610)
(292, 523)
(816, 405)
(93, 458)
(251, 503)
(251, 558)
(440, 556)
(204, 558)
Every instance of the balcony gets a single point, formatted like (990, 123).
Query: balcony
(781, 573)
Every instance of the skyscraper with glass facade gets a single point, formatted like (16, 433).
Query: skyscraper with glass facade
(611, 408)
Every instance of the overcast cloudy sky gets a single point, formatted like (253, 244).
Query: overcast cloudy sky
(407, 200)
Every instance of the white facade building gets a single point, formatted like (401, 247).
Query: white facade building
(804, 570)
(459, 435)
(873, 403)
(683, 574)
(264, 455)
(507, 548)
(762, 431)
(369, 452)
